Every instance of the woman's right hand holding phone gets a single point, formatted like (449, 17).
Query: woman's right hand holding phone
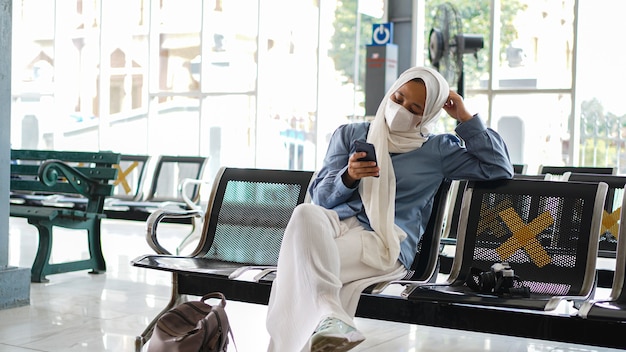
(358, 169)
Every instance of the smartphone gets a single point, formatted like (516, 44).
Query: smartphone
(361, 146)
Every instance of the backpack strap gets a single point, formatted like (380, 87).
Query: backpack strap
(221, 314)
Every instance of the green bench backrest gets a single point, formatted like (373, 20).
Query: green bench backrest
(95, 165)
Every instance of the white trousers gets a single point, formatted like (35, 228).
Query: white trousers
(320, 274)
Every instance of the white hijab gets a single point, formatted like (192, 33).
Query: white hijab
(379, 193)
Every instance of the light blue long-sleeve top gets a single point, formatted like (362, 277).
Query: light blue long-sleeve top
(418, 174)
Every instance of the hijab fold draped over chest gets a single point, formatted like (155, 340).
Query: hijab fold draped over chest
(378, 193)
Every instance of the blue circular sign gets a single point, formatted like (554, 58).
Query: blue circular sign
(381, 34)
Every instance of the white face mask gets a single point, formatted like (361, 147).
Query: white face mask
(399, 119)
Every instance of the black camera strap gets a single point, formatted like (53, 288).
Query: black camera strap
(471, 279)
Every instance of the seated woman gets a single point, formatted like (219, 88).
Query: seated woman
(367, 217)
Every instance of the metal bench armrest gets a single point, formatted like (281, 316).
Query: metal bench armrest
(156, 217)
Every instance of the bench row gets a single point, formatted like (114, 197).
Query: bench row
(546, 231)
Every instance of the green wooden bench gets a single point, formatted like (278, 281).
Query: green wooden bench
(38, 176)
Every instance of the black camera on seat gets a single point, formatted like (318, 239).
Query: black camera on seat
(500, 280)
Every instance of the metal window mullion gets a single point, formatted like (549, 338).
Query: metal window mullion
(574, 118)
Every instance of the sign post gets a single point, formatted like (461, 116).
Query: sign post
(381, 69)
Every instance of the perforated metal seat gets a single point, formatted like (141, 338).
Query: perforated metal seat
(547, 231)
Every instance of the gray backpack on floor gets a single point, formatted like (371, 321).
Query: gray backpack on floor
(193, 327)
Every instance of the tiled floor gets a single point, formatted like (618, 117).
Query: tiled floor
(82, 312)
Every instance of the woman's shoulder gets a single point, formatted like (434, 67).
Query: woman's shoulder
(354, 129)
(443, 139)
(356, 126)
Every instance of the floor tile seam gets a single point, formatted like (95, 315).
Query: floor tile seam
(21, 347)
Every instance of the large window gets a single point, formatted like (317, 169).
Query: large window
(232, 80)
(265, 83)
(600, 125)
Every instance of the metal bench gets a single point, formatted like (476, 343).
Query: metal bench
(234, 256)
(169, 173)
(38, 177)
(247, 213)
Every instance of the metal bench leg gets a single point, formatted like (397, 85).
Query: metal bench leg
(95, 248)
(44, 249)
(175, 300)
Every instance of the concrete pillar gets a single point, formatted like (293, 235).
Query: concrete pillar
(14, 282)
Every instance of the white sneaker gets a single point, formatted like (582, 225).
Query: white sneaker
(334, 335)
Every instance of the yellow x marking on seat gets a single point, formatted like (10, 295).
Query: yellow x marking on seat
(524, 236)
(489, 217)
(121, 175)
(610, 222)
